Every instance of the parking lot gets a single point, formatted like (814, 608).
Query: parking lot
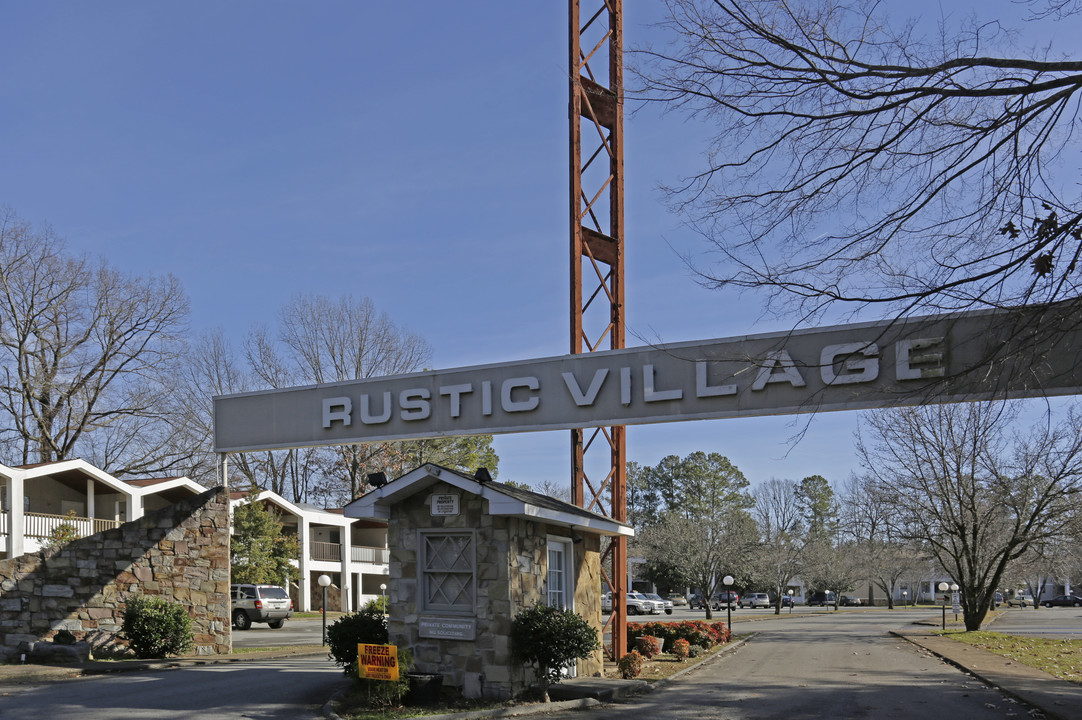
(294, 632)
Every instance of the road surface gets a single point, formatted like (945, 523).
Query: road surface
(834, 666)
(286, 689)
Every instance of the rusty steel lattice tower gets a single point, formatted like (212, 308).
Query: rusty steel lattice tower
(598, 467)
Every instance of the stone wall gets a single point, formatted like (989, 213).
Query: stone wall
(180, 552)
(512, 563)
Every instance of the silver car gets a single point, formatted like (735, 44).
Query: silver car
(755, 600)
(666, 605)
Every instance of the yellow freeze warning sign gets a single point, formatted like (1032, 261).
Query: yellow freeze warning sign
(377, 662)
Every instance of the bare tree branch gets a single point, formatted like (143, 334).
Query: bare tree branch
(858, 163)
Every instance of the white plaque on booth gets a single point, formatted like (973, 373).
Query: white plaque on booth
(448, 628)
(445, 504)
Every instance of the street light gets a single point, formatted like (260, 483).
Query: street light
(383, 594)
(727, 581)
(954, 594)
(943, 587)
(324, 581)
(905, 598)
(790, 601)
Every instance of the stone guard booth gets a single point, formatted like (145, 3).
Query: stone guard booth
(466, 555)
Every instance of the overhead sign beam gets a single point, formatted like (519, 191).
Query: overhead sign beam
(1033, 351)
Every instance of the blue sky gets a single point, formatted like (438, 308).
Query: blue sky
(414, 153)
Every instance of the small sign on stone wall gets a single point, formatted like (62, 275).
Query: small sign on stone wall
(448, 628)
(445, 504)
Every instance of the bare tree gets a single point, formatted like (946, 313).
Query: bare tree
(1045, 563)
(779, 514)
(858, 162)
(972, 495)
(830, 566)
(868, 522)
(320, 340)
(704, 548)
(87, 357)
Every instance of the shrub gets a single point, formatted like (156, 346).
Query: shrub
(155, 627)
(377, 605)
(552, 638)
(724, 633)
(696, 632)
(62, 534)
(648, 646)
(681, 649)
(630, 665)
(367, 626)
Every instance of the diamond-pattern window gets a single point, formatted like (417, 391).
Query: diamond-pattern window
(448, 572)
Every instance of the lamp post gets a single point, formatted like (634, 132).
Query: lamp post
(943, 589)
(790, 601)
(905, 599)
(954, 602)
(383, 594)
(324, 581)
(727, 581)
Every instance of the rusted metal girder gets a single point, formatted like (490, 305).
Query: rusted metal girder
(598, 457)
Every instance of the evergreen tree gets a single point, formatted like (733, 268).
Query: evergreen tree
(260, 551)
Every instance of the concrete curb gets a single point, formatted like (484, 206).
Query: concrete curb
(532, 709)
(730, 648)
(541, 708)
(1057, 699)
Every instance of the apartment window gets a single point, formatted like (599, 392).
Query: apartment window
(448, 567)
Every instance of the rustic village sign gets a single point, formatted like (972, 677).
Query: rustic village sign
(1033, 351)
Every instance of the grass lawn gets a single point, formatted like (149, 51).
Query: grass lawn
(1059, 657)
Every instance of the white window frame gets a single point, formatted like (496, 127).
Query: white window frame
(567, 572)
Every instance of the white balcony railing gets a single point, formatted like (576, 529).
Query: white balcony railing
(42, 525)
(332, 552)
(373, 555)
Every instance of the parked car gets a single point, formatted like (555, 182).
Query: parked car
(676, 599)
(1021, 600)
(726, 599)
(1063, 601)
(639, 604)
(666, 605)
(260, 603)
(822, 598)
(755, 600)
(850, 601)
(788, 600)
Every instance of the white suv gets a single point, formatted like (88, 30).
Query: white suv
(260, 603)
(755, 600)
